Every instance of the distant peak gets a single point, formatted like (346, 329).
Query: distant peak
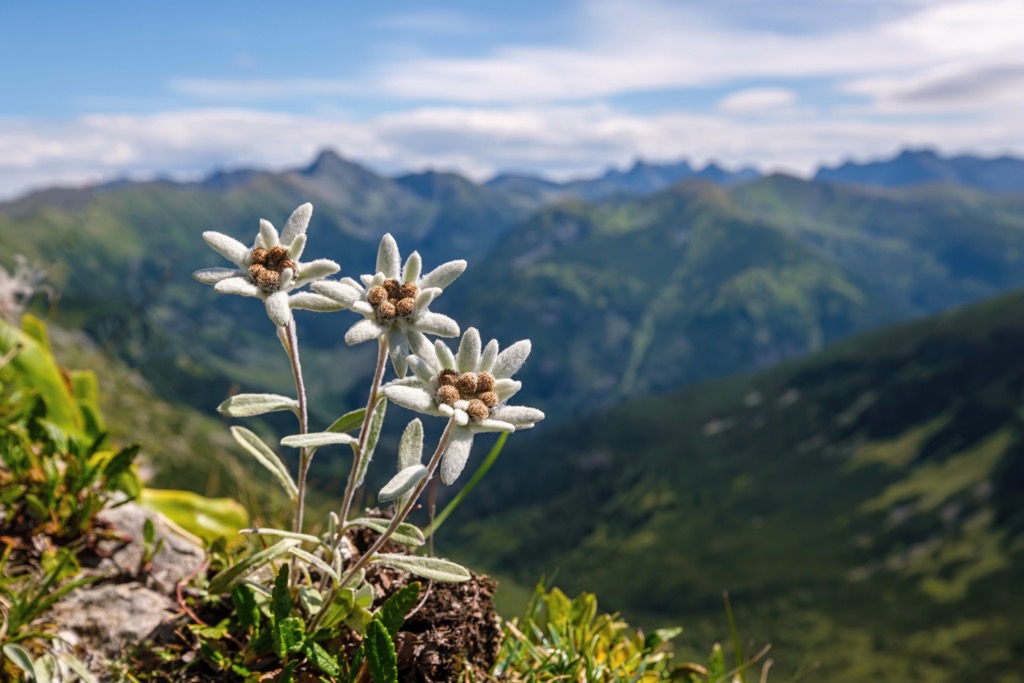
(327, 159)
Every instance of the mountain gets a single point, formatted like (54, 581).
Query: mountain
(641, 179)
(863, 506)
(917, 167)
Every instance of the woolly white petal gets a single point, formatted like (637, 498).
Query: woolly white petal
(444, 355)
(436, 324)
(468, 357)
(506, 388)
(367, 280)
(297, 223)
(412, 398)
(421, 368)
(492, 425)
(211, 276)
(388, 258)
(488, 356)
(278, 309)
(314, 302)
(511, 359)
(339, 290)
(228, 247)
(398, 349)
(425, 296)
(443, 275)
(364, 330)
(237, 285)
(364, 308)
(298, 245)
(420, 345)
(456, 455)
(316, 270)
(268, 234)
(461, 417)
(413, 265)
(522, 417)
(287, 276)
(446, 410)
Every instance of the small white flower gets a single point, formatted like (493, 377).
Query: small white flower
(395, 301)
(470, 387)
(271, 268)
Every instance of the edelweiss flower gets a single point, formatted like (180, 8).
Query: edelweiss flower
(469, 387)
(395, 303)
(271, 268)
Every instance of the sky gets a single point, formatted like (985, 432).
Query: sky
(100, 90)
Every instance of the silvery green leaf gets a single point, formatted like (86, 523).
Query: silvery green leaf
(268, 235)
(76, 666)
(511, 359)
(298, 245)
(278, 310)
(413, 264)
(405, 534)
(211, 276)
(427, 567)
(316, 562)
(314, 302)
(248, 405)
(311, 599)
(317, 439)
(436, 324)
(364, 330)
(456, 454)
(410, 448)
(412, 398)
(468, 357)
(237, 285)
(402, 483)
(316, 270)
(228, 247)
(266, 457)
(20, 657)
(226, 578)
(348, 421)
(487, 358)
(388, 258)
(265, 531)
(297, 223)
(443, 275)
(398, 349)
(372, 437)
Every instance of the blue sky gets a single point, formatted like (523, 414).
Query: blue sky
(99, 90)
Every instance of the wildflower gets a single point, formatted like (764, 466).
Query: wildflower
(394, 304)
(470, 387)
(271, 268)
(19, 286)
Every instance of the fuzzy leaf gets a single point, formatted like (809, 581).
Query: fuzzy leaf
(427, 567)
(227, 577)
(405, 534)
(402, 483)
(316, 562)
(20, 657)
(348, 421)
(262, 531)
(376, 422)
(410, 449)
(395, 608)
(380, 654)
(248, 405)
(317, 439)
(266, 457)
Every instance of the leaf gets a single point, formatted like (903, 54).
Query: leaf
(376, 422)
(380, 654)
(485, 465)
(208, 518)
(321, 659)
(340, 608)
(395, 608)
(348, 421)
(264, 531)
(207, 632)
(266, 457)
(244, 600)
(292, 636)
(227, 577)
(281, 598)
(316, 562)
(405, 534)
(410, 449)
(317, 439)
(402, 483)
(427, 567)
(119, 464)
(311, 599)
(148, 531)
(20, 657)
(248, 405)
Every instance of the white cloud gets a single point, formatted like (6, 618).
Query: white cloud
(757, 100)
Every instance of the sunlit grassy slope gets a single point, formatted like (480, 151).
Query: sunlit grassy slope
(864, 506)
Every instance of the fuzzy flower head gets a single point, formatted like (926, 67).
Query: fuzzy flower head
(271, 268)
(471, 387)
(394, 302)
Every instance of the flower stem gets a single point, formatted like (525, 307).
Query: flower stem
(290, 340)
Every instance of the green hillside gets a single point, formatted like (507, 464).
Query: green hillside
(863, 506)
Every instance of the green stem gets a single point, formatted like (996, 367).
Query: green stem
(364, 432)
(290, 340)
(492, 456)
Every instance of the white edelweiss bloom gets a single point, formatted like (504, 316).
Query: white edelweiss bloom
(470, 387)
(271, 268)
(395, 301)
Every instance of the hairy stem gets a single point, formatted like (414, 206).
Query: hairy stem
(290, 340)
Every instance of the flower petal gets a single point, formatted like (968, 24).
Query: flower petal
(461, 417)
(315, 270)
(228, 247)
(237, 285)
(413, 266)
(443, 275)
(488, 356)
(211, 276)
(298, 245)
(367, 280)
(364, 308)
(398, 349)
(507, 388)
(364, 330)
(444, 355)
(268, 234)
(339, 290)
(511, 359)
(425, 296)
(456, 455)
(436, 324)
(468, 357)
(314, 302)
(278, 309)
(297, 223)
(421, 368)
(388, 259)
(522, 417)
(492, 425)
(412, 398)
